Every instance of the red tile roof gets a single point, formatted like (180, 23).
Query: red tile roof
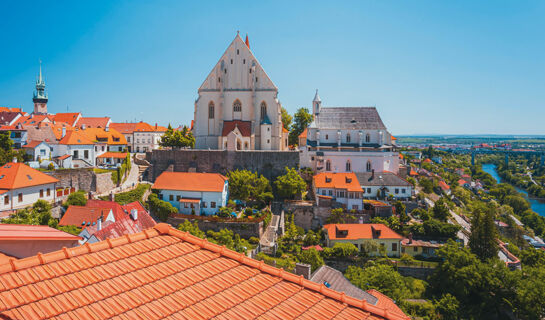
(304, 133)
(94, 122)
(76, 138)
(443, 185)
(100, 135)
(386, 302)
(166, 273)
(243, 126)
(19, 175)
(462, 182)
(190, 181)
(117, 209)
(34, 233)
(10, 109)
(116, 155)
(344, 180)
(82, 216)
(32, 144)
(70, 118)
(123, 127)
(127, 225)
(361, 231)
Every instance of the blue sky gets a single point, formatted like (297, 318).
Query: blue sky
(446, 67)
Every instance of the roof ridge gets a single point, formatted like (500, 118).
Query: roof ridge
(165, 229)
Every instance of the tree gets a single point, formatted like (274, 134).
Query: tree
(483, 239)
(448, 307)
(247, 186)
(531, 293)
(290, 184)
(426, 184)
(192, 228)
(339, 216)
(440, 210)
(302, 118)
(402, 212)
(286, 118)
(312, 257)
(76, 199)
(344, 250)
(177, 138)
(6, 149)
(42, 209)
(160, 208)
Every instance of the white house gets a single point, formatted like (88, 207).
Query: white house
(343, 188)
(193, 192)
(79, 146)
(384, 184)
(39, 150)
(238, 90)
(348, 139)
(21, 186)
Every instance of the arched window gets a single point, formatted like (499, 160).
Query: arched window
(263, 110)
(368, 166)
(328, 165)
(348, 166)
(348, 138)
(211, 110)
(245, 145)
(367, 138)
(237, 106)
(238, 145)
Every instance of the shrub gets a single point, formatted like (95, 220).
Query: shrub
(77, 198)
(160, 208)
(133, 195)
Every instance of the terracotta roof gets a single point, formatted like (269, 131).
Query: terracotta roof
(317, 247)
(117, 155)
(143, 127)
(419, 243)
(19, 175)
(166, 273)
(63, 157)
(70, 118)
(6, 117)
(190, 181)
(32, 144)
(285, 130)
(10, 109)
(12, 128)
(31, 232)
(102, 136)
(82, 216)
(76, 138)
(117, 209)
(35, 119)
(360, 231)
(375, 203)
(462, 182)
(125, 128)
(127, 225)
(304, 133)
(94, 122)
(344, 180)
(443, 185)
(187, 200)
(427, 160)
(243, 126)
(386, 302)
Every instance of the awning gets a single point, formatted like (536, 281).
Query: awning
(190, 200)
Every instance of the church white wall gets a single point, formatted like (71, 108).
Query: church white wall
(380, 161)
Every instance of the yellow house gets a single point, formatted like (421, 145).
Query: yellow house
(421, 248)
(359, 234)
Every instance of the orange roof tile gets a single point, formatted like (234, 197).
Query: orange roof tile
(76, 138)
(10, 109)
(94, 122)
(383, 301)
(245, 127)
(82, 216)
(443, 185)
(32, 232)
(339, 180)
(32, 144)
(360, 231)
(285, 130)
(304, 134)
(123, 127)
(111, 137)
(116, 155)
(70, 118)
(190, 181)
(166, 273)
(19, 175)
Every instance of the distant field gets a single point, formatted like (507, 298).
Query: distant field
(513, 140)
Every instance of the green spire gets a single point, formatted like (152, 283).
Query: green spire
(40, 93)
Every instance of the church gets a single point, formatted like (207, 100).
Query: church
(238, 107)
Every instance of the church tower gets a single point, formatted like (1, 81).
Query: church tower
(40, 96)
(316, 104)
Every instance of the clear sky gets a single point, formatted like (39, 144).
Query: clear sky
(449, 67)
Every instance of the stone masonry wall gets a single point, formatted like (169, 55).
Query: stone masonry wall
(104, 182)
(268, 163)
(83, 179)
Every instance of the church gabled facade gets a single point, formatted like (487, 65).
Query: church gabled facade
(238, 107)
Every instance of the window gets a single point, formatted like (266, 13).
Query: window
(211, 110)
(160, 196)
(402, 190)
(323, 192)
(368, 166)
(394, 246)
(178, 198)
(76, 156)
(128, 139)
(203, 204)
(186, 205)
(48, 192)
(348, 166)
(86, 153)
(42, 152)
(238, 51)
(326, 136)
(415, 249)
(348, 138)
(255, 79)
(6, 200)
(396, 191)
(331, 192)
(231, 61)
(171, 197)
(328, 165)
(355, 207)
(367, 138)
(268, 141)
(263, 110)
(20, 197)
(245, 145)
(212, 204)
(243, 61)
(41, 193)
(368, 190)
(237, 106)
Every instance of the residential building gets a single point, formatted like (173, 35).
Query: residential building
(348, 139)
(105, 140)
(18, 134)
(39, 150)
(83, 216)
(384, 184)
(9, 118)
(238, 106)
(140, 136)
(94, 122)
(166, 273)
(445, 188)
(192, 192)
(22, 241)
(111, 158)
(79, 146)
(359, 234)
(343, 188)
(420, 248)
(21, 186)
(70, 118)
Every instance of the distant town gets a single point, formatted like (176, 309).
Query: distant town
(253, 212)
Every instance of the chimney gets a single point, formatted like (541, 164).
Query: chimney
(302, 269)
(83, 126)
(134, 214)
(63, 132)
(372, 173)
(410, 238)
(375, 232)
(14, 159)
(112, 196)
(99, 222)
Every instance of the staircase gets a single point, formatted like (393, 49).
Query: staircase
(143, 165)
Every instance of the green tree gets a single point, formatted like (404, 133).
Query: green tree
(290, 185)
(192, 228)
(249, 186)
(340, 216)
(286, 118)
(448, 307)
(177, 138)
(426, 184)
(531, 293)
(312, 257)
(161, 209)
(483, 239)
(70, 229)
(401, 210)
(344, 250)
(440, 210)
(42, 209)
(6, 149)
(77, 198)
(302, 118)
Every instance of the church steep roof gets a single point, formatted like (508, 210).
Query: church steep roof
(366, 118)
(245, 127)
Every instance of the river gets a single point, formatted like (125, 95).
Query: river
(537, 205)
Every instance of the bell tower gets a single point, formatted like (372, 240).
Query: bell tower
(40, 95)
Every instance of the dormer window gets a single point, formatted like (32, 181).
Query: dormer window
(327, 179)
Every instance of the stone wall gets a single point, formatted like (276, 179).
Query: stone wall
(244, 229)
(415, 272)
(83, 179)
(268, 163)
(104, 183)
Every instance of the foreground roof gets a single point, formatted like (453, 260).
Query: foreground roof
(34, 233)
(166, 273)
(14, 175)
(190, 181)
